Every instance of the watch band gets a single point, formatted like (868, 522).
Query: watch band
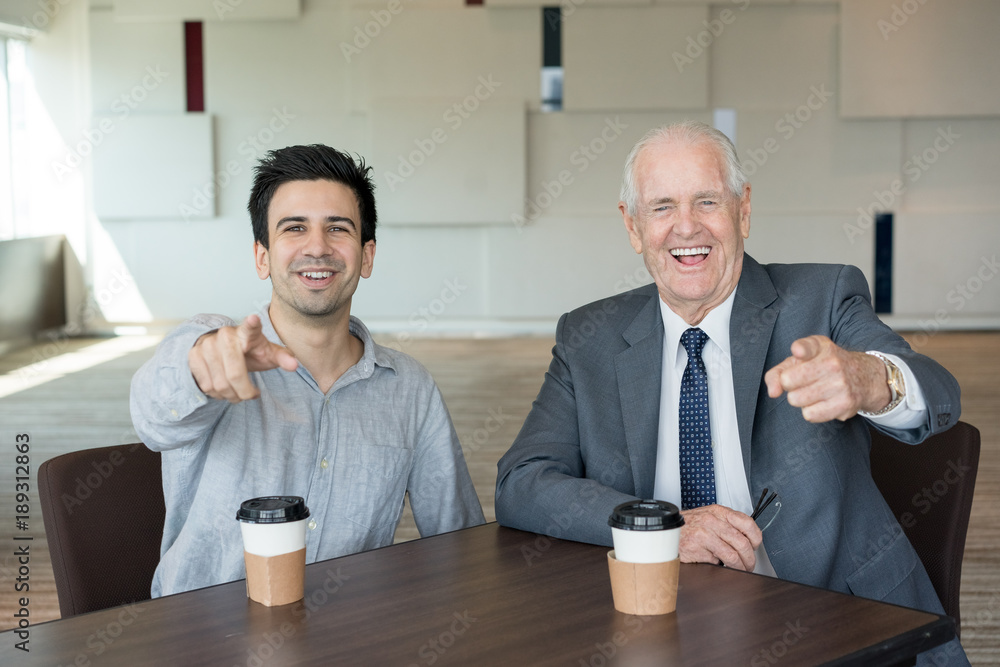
(897, 386)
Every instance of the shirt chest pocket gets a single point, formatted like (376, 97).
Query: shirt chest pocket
(376, 477)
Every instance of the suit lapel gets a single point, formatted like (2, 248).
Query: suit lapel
(638, 370)
(750, 328)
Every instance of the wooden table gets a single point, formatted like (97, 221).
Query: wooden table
(488, 596)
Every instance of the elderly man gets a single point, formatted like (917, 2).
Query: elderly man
(661, 392)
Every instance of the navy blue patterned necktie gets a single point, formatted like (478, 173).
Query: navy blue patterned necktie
(697, 463)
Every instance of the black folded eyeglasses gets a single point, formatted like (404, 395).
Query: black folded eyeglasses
(766, 509)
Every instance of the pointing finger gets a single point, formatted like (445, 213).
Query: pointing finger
(234, 369)
(285, 359)
(271, 355)
(773, 377)
(805, 349)
(251, 323)
(247, 331)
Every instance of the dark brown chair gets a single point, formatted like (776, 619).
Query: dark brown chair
(929, 488)
(103, 510)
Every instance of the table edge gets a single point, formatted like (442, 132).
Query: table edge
(893, 651)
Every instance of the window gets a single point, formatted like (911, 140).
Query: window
(14, 145)
(552, 71)
(6, 159)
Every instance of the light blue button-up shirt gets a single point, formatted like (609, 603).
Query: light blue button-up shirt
(382, 431)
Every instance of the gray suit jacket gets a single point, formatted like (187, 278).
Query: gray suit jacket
(590, 440)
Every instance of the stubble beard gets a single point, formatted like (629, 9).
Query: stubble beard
(313, 305)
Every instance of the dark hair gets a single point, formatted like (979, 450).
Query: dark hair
(310, 163)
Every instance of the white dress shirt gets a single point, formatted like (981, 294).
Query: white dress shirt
(731, 487)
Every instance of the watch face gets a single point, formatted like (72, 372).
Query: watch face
(898, 384)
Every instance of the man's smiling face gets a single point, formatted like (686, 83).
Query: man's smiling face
(688, 226)
(315, 258)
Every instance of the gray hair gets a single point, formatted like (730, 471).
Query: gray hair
(692, 132)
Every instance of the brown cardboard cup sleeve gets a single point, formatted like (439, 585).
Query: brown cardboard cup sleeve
(276, 580)
(644, 589)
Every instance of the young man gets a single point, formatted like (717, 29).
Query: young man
(298, 400)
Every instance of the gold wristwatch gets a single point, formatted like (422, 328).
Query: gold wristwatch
(897, 386)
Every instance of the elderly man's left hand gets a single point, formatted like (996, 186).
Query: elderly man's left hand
(829, 382)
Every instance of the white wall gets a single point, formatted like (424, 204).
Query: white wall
(512, 220)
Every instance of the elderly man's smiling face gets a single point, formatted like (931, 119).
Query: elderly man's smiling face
(687, 225)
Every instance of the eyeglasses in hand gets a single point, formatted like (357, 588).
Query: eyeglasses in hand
(766, 509)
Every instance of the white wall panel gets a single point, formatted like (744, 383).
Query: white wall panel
(369, 5)
(146, 165)
(741, 3)
(425, 276)
(788, 239)
(558, 264)
(624, 59)
(919, 59)
(946, 266)
(206, 10)
(243, 139)
(767, 57)
(457, 160)
(251, 66)
(802, 160)
(184, 268)
(952, 165)
(569, 7)
(135, 67)
(575, 160)
(428, 53)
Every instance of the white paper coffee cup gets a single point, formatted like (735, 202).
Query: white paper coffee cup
(274, 548)
(646, 531)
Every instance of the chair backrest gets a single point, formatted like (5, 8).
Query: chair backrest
(929, 488)
(103, 511)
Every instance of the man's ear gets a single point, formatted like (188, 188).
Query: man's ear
(367, 259)
(631, 227)
(261, 260)
(745, 212)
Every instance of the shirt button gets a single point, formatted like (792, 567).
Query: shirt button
(312, 524)
(323, 464)
(173, 413)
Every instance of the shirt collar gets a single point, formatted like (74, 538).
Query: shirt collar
(374, 355)
(715, 324)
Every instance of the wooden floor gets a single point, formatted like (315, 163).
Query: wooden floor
(488, 385)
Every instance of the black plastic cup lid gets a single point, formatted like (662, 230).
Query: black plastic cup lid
(646, 515)
(273, 509)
